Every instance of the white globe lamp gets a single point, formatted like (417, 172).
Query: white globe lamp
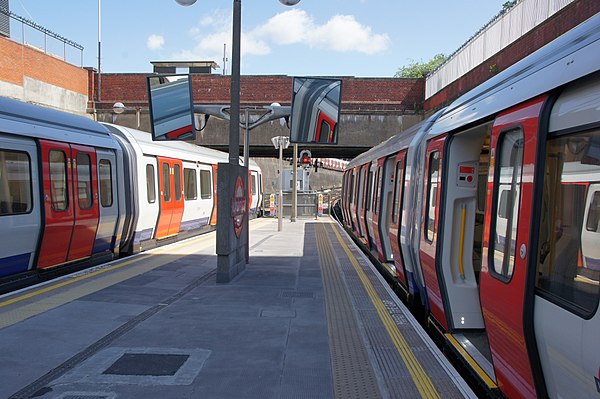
(185, 2)
(289, 2)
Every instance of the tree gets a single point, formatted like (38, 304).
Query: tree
(420, 69)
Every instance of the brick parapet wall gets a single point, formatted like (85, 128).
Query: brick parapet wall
(370, 94)
(18, 61)
(561, 22)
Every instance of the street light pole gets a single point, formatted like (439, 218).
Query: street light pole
(229, 263)
(234, 125)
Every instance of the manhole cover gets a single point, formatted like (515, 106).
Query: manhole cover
(147, 364)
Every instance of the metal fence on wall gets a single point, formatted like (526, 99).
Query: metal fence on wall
(501, 31)
(36, 36)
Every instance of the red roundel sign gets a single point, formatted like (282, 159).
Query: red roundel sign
(238, 206)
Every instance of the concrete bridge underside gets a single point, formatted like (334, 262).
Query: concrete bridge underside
(359, 131)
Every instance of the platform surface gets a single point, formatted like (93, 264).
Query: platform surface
(308, 318)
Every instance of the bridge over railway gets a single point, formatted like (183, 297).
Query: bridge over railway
(373, 109)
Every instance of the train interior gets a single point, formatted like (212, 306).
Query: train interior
(467, 166)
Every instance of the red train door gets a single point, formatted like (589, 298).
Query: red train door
(85, 201)
(362, 202)
(178, 203)
(377, 208)
(58, 212)
(167, 203)
(503, 287)
(70, 203)
(429, 228)
(396, 222)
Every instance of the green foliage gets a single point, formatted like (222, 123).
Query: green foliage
(420, 69)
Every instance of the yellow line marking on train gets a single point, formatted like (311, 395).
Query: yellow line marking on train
(104, 270)
(482, 374)
(420, 378)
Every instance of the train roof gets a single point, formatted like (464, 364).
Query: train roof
(173, 149)
(571, 56)
(395, 143)
(22, 118)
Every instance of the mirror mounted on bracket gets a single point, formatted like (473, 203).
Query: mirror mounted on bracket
(316, 104)
(171, 107)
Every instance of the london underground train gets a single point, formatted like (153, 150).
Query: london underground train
(487, 216)
(74, 191)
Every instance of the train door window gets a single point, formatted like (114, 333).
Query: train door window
(177, 179)
(568, 266)
(59, 193)
(190, 184)
(84, 180)
(253, 186)
(15, 183)
(350, 187)
(397, 190)
(105, 177)
(432, 189)
(166, 180)
(205, 191)
(369, 191)
(593, 219)
(507, 194)
(376, 191)
(150, 183)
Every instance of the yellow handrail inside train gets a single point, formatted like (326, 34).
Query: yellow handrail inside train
(461, 266)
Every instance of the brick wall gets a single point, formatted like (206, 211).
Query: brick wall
(559, 23)
(18, 61)
(370, 94)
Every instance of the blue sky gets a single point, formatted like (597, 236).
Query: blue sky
(366, 38)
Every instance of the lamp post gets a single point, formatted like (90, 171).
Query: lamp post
(228, 248)
(280, 142)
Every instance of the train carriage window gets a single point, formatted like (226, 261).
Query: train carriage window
(177, 177)
(369, 194)
(189, 184)
(84, 180)
(507, 194)
(568, 258)
(376, 191)
(105, 176)
(59, 194)
(253, 186)
(398, 190)
(15, 183)
(593, 219)
(205, 186)
(166, 180)
(150, 184)
(432, 189)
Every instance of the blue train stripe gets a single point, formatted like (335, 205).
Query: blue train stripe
(14, 264)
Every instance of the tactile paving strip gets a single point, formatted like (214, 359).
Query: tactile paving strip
(353, 375)
(408, 366)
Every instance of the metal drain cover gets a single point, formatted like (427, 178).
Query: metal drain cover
(147, 364)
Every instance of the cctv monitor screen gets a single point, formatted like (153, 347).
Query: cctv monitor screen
(315, 110)
(171, 107)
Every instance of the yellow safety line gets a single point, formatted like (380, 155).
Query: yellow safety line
(420, 378)
(482, 374)
(101, 271)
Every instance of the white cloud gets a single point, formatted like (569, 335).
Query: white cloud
(344, 33)
(341, 33)
(155, 42)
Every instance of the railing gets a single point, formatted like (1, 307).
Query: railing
(502, 30)
(34, 38)
(307, 204)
